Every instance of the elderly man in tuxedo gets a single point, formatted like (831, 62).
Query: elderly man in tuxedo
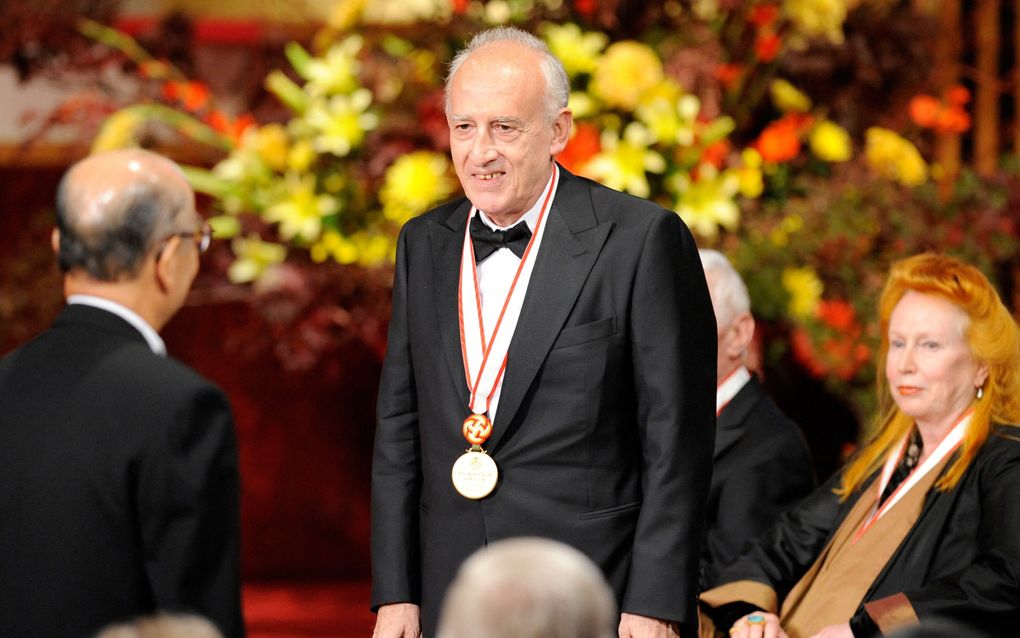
(549, 369)
(762, 465)
(118, 465)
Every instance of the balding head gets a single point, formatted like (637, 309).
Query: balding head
(113, 208)
(529, 588)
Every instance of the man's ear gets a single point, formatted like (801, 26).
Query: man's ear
(55, 241)
(561, 131)
(165, 268)
(742, 331)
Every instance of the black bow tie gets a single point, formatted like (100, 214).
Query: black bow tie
(488, 241)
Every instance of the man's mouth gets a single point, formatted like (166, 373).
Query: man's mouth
(488, 176)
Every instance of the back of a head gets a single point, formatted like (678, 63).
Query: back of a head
(113, 207)
(163, 626)
(528, 588)
(729, 293)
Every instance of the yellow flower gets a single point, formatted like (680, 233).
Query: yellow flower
(341, 122)
(345, 14)
(300, 213)
(301, 155)
(337, 71)
(579, 51)
(669, 114)
(805, 290)
(788, 98)
(749, 175)
(225, 226)
(626, 71)
(413, 183)
(271, 143)
(817, 18)
(405, 11)
(706, 204)
(894, 157)
(368, 249)
(254, 256)
(623, 163)
(118, 131)
(582, 105)
(830, 142)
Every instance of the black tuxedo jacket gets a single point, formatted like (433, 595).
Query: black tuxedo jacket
(604, 433)
(118, 484)
(762, 468)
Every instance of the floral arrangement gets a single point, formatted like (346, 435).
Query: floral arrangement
(811, 194)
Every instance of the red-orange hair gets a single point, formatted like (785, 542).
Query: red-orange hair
(993, 338)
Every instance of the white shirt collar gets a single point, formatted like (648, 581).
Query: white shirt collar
(730, 386)
(151, 336)
(530, 217)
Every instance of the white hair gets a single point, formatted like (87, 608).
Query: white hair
(557, 84)
(729, 293)
(528, 588)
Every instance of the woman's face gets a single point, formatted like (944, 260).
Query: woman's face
(931, 372)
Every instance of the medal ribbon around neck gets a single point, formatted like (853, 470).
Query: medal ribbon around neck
(485, 358)
(947, 446)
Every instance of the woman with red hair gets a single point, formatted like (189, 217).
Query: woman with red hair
(924, 522)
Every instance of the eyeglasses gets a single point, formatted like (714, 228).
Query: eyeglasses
(202, 237)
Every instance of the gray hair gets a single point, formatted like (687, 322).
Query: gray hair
(529, 588)
(110, 217)
(557, 84)
(163, 626)
(729, 293)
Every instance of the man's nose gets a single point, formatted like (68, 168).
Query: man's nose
(483, 149)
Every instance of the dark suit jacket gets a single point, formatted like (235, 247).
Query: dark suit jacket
(118, 484)
(960, 561)
(603, 434)
(762, 468)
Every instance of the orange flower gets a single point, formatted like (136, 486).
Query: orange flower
(715, 153)
(953, 120)
(231, 127)
(839, 315)
(958, 95)
(767, 45)
(582, 147)
(780, 141)
(924, 110)
(193, 95)
(763, 15)
(729, 74)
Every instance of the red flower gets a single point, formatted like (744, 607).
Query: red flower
(586, 8)
(952, 120)
(729, 74)
(958, 95)
(231, 127)
(194, 96)
(715, 153)
(767, 45)
(839, 315)
(581, 148)
(763, 15)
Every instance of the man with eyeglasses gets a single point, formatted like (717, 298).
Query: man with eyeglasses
(118, 465)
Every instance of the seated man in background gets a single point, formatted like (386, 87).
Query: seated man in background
(528, 588)
(761, 463)
(118, 465)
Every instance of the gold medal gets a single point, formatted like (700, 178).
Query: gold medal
(474, 474)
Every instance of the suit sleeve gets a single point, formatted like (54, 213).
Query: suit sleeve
(772, 479)
(985, 596)
(396, 463)
(188, 504)
(673, 341)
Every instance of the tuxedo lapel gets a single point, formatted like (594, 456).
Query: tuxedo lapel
(732, 422)
(573, 240)
(446, 237)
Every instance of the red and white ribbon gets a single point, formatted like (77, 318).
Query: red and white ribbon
(485, 351)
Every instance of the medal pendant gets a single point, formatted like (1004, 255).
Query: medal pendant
(474, 474)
